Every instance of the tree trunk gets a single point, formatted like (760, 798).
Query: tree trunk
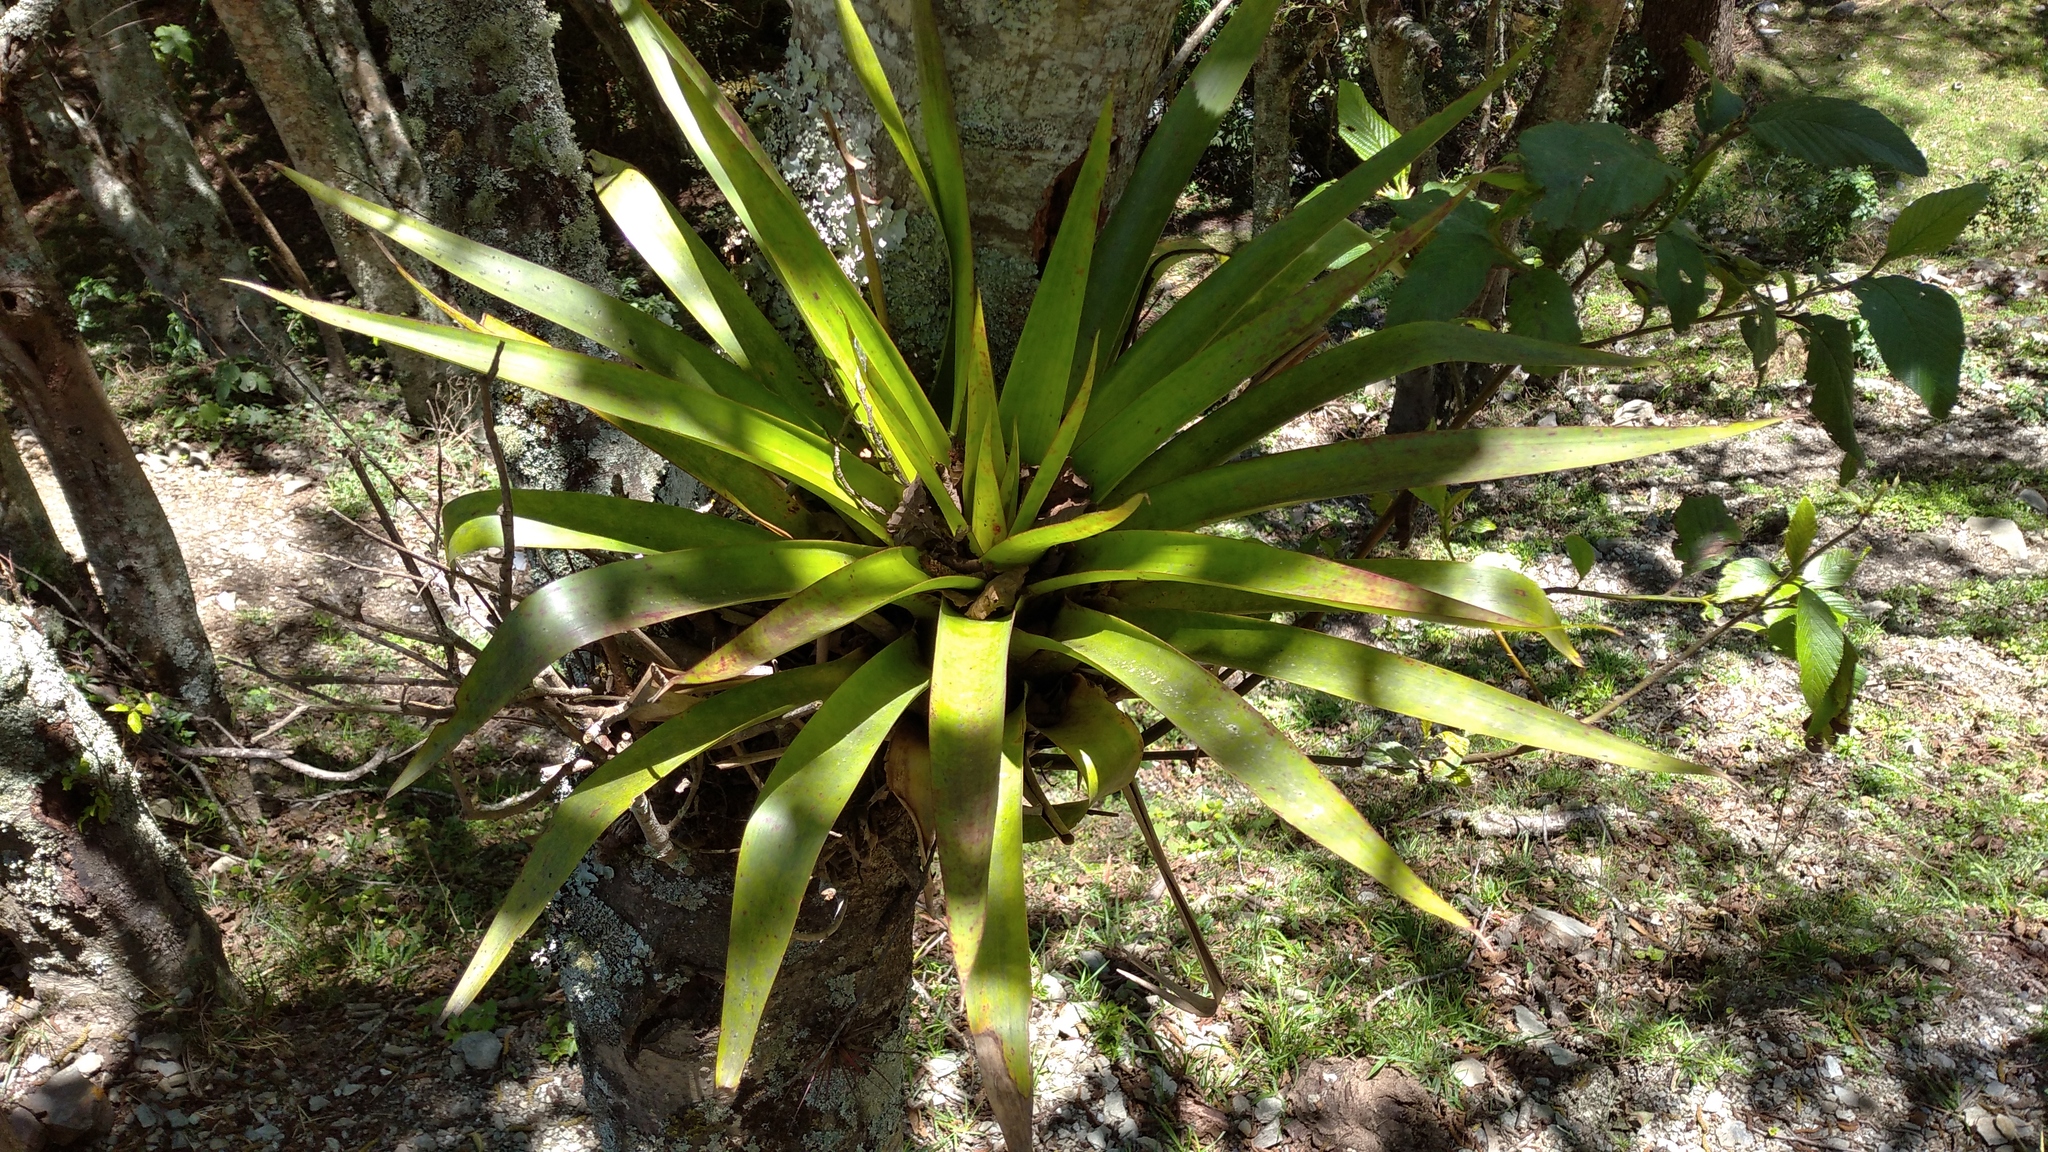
(1575, 68)
(338, 30)
(1028, 84)
(1671, 77)
(171, 185)
(1289, 47)
(27, 539)
(640, 946)
(1399, 49)
(97, 902)
(324, 138)
(128, 541)
(502, 166)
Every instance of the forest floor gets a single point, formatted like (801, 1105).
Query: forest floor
(1842, 948)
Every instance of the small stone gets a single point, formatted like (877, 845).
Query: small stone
(23, 1130)
(264, 1133)
(1268, 1137)
(1767, 9)
(227, 601)
(1842, 11)
(1469, 1072)
(1560, 1055)
(1267, 1109)
(2002, 533)
(316, 1103)
(177, 1119)
(1239, 1105)
(479, 1050)
(1562, 928)
(2007, 1126)
(1987, 1130)
(1055, 990)
(1246, 1128)
(2032, 498)
(1635, 413)
(1529, 1023)
(147, 1117)
(72, 1107)
(1547, 420)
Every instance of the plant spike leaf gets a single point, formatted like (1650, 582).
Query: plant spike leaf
(1041, 373)
(836, 600)
(749, 487)
(996, 990)
(867, 67)
(605, 794)
(563, 615)
(797, 807)
(1027, 546)
(1245, 744)
(1105, 746)
(545, 518)
(1500, 590)
(1381, 679)
(1055, 459)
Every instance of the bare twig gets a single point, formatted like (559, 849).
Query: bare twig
(1193, 42)
(280, 726)
(422, 587)
(490, 422)
(282, 757)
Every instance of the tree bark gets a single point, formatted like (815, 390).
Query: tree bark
(128, 541)
(1295, 39)
(1400, 49)
(338, 30)
(1671, 77)
(171, 184)
(502, 166)
(1576, 66)
(98, 903)
(1028, 85)
(27, 539)
(641, 947)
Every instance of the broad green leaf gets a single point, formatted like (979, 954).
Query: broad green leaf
(1760, 333)
(860, 352)
(563, 615)
(1927, 226)
(1581, 551)
(1362, 128)
(779, 850)
(1800, 530)
(1681, 277)
(1822, 648)
(1392, 463)
(1381, 679)
(1245, 744)
(995, 990)
(1591, 174)
(1200, 316)
(1054, 462)
(604, 795)
(1831, 374)
(1185, 557)
(563, 300)
(1744, 577)
(1026, 547)
(1919, 332)
(1449, 272)
(543, 518)
(1502, 591)
(1716, 108)
(1042, 369)
(1242, 421)
(1706, 533)
(701, 282)
(1124, 249)
(749, 487)
(836, 600)
(1541, 306)
(1834, 133)
(1105, 747)
(631, 394)
(1831, 569)
(970, 666)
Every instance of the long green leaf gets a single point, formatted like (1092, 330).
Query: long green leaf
(1026, 547)
(1245, 744)
(948, 172)
(563, 615)
(1411, 460)
(969, 668)
(996, 989)
(867, 67)
(1381, 679)
(561, 299)
(835, 601)
(626, 393)
(1105, 746)
(1247, 564)
(798, 806)
(1199, 317)
(1380, 355)
(1361, 127)
(1500, 590)
(543, 518)
(1054, 462)
(702, 283)
(746, 485)
(832, 308)
(1125, 247)
(1042, 369)
(605, 794)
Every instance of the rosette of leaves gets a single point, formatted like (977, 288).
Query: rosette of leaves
(999, 562)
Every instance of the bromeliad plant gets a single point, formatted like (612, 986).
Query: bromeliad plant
(989, 543)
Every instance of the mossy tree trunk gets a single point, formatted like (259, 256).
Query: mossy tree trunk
(92, 896)
(128, 541)
(156, 155)
(483, 104)
(28, 541)
(1299, 32)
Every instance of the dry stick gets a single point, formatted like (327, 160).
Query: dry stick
(860, 217)
(230, 825)
(1189, 45)
(422, 587)
(1035, 792)
(282, 757)
(490, 420)
(450, 571)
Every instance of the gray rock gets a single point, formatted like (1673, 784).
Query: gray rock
(479, 1050)
(1842, 11)
(1987, 1130)
(1529, 1023)
(2002, 533)
(319, 1102)
(2032, 498)
(71, 1106)
(1561, 1056)
(1269, 1136)
(1831, 1067)
(1562, 928)
(1268, 1108)
(1469, 1072)
(147, 1117)
(23, 1130)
